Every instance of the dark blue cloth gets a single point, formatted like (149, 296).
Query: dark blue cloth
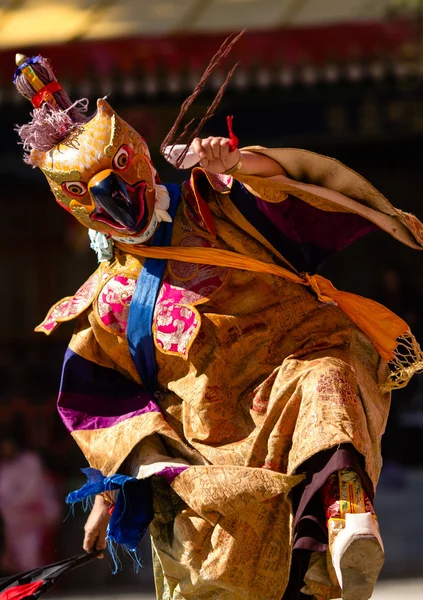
(133, 511)
(140, 321)
(87, 378)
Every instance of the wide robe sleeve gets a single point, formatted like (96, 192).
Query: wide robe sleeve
(328, 185)
(302, 233)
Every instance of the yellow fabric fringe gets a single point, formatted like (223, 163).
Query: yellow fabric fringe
(389, 333)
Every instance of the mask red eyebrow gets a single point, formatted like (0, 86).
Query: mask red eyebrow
(67, 209)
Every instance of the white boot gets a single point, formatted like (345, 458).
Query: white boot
(357, 556)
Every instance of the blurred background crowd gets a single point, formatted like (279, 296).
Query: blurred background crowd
(343, 78)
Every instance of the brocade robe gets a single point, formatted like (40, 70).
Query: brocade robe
(255, 376)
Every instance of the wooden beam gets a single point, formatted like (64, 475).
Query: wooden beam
(190, 17)
(290, 11)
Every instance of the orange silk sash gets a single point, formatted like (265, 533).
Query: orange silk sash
(382, 326)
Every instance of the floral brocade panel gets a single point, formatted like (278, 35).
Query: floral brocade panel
(113, 302)
(70, 307)
(176, 322)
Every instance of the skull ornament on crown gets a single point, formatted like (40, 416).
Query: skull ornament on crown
(98, 168)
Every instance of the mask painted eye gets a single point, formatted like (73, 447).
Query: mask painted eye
(122, 158)
(75, 188)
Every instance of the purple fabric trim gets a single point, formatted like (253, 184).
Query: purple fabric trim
(93, 397)
(305, 223)
(75, 420)
(170, 473)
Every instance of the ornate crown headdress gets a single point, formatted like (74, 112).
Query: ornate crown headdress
(54, 116)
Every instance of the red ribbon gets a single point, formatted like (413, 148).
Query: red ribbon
(45, 92)
(233, 144)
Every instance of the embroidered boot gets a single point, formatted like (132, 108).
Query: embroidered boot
(355, 544)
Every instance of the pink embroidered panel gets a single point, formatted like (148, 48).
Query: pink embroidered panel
(70, 307)
(221, 182)
(113, 302)
(176, 322)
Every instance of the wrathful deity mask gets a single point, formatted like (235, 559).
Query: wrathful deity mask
(99, 169)
(102, 174)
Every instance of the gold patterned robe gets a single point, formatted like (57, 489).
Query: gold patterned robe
(255, 377)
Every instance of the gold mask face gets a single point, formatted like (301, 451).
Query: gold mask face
(102, 174)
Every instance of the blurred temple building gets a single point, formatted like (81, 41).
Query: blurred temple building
(343, 78)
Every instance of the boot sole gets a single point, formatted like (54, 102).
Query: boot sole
(361, 563)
